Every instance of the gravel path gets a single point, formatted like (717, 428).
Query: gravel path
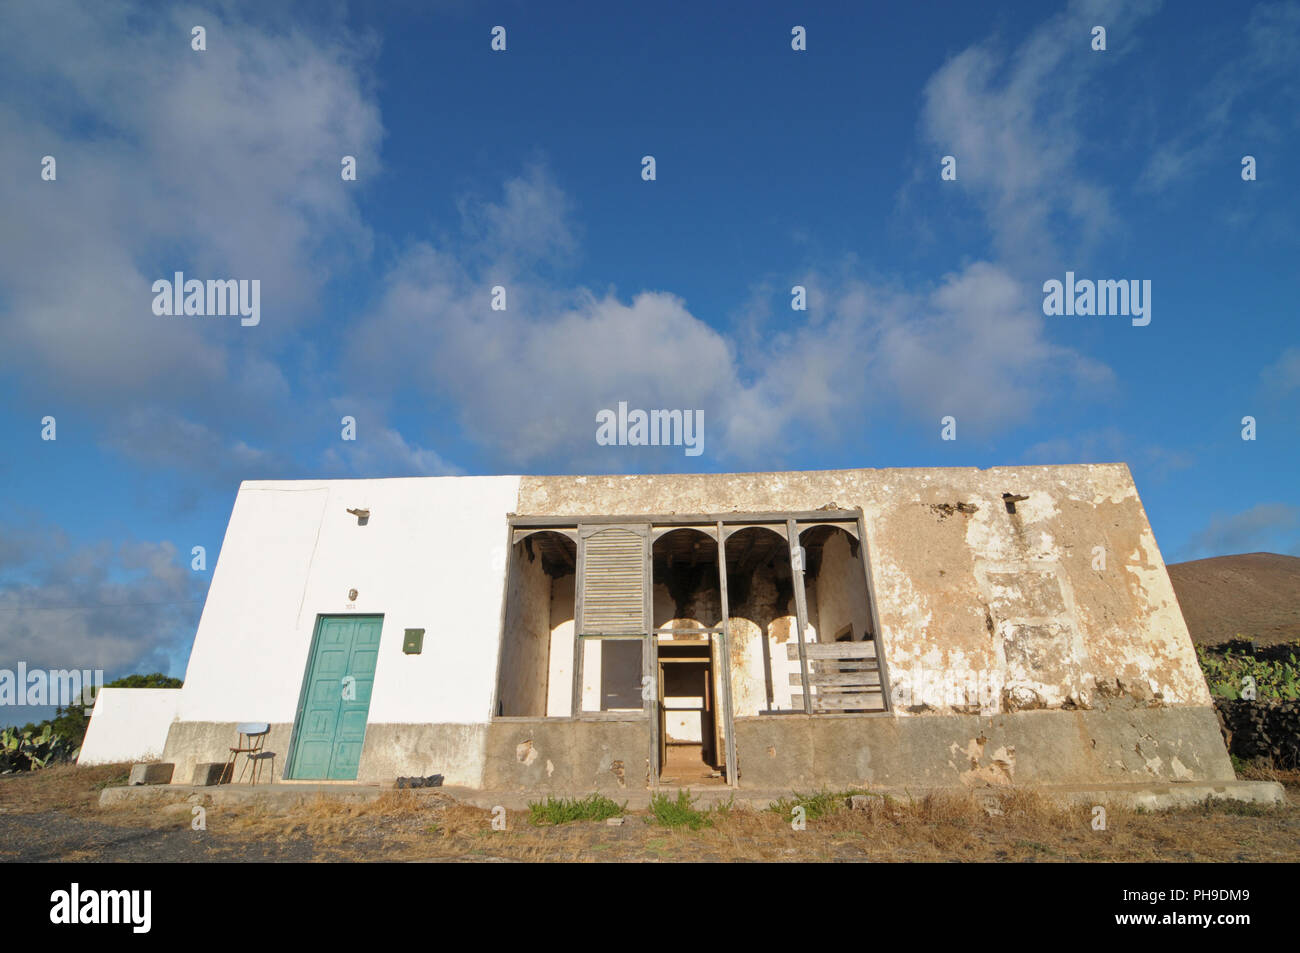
(56, 836)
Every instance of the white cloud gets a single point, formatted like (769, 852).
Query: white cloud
(222, 163)
(1266, 527)
(1013, 121)
(1110, 445)
(530, 225)
(156, 438)
(1234, 101)
(121, 607)
(384, 453)
(252, 189)
(528, 381)
(1283, 375)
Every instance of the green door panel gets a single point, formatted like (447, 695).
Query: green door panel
(331, 722)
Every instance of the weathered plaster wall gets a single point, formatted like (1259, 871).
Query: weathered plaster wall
(841, 592)
(1032, 747)
(559, 698)
(965, 589)
(567, 755)
(702, 611)
(395, 751)
(526, 640)
(190, 743)
(763, 622)
(390, 750)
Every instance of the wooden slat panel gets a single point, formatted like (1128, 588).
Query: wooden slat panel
(613, 593)
(819, 650)
(872, 702)
(833, 666)
(821, 679)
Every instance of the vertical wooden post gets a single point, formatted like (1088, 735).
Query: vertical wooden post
(724, 658)
(650, 655)
(579, 575)
(864, 550)
(801, 611)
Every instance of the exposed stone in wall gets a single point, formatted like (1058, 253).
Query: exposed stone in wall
(1267, 730)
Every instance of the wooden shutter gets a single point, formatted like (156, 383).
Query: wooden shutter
(613, 580)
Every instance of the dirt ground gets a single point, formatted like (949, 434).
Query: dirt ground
(53, 815)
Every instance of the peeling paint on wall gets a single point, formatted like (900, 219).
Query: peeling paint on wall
(1057, 633)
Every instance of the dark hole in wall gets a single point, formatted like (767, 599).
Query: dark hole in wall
(1009, 500)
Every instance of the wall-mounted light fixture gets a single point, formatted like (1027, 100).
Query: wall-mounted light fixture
(363, 516)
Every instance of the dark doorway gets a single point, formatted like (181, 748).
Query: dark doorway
(688, 716)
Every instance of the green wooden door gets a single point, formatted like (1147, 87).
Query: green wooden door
(331, 722)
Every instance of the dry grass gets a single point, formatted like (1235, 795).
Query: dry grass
(1008, 825)
(1290, 777)
(59, 787)
(1015, 825)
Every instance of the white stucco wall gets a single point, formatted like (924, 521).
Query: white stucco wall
(432, 556)
(559, 690)
(129, 724)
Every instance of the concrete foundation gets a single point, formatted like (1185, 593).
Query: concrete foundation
(208, 773)
(568, 756)
(561, 755)
(1033, 747)
(395, 751)
(776, 752)
(191, 743)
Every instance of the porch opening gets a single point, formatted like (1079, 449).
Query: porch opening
(536, 671)
(688, 623)
(687, 618)
(690, 750)
(842, 658)
(760, 597)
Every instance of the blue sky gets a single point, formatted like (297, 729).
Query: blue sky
(522, 168)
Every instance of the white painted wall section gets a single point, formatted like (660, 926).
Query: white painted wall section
(129, 724)
(431, 556)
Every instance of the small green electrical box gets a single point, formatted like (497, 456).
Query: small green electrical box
(413, 642)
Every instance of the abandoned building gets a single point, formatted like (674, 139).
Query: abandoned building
(570, 634)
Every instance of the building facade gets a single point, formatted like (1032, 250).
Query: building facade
(569, 634)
